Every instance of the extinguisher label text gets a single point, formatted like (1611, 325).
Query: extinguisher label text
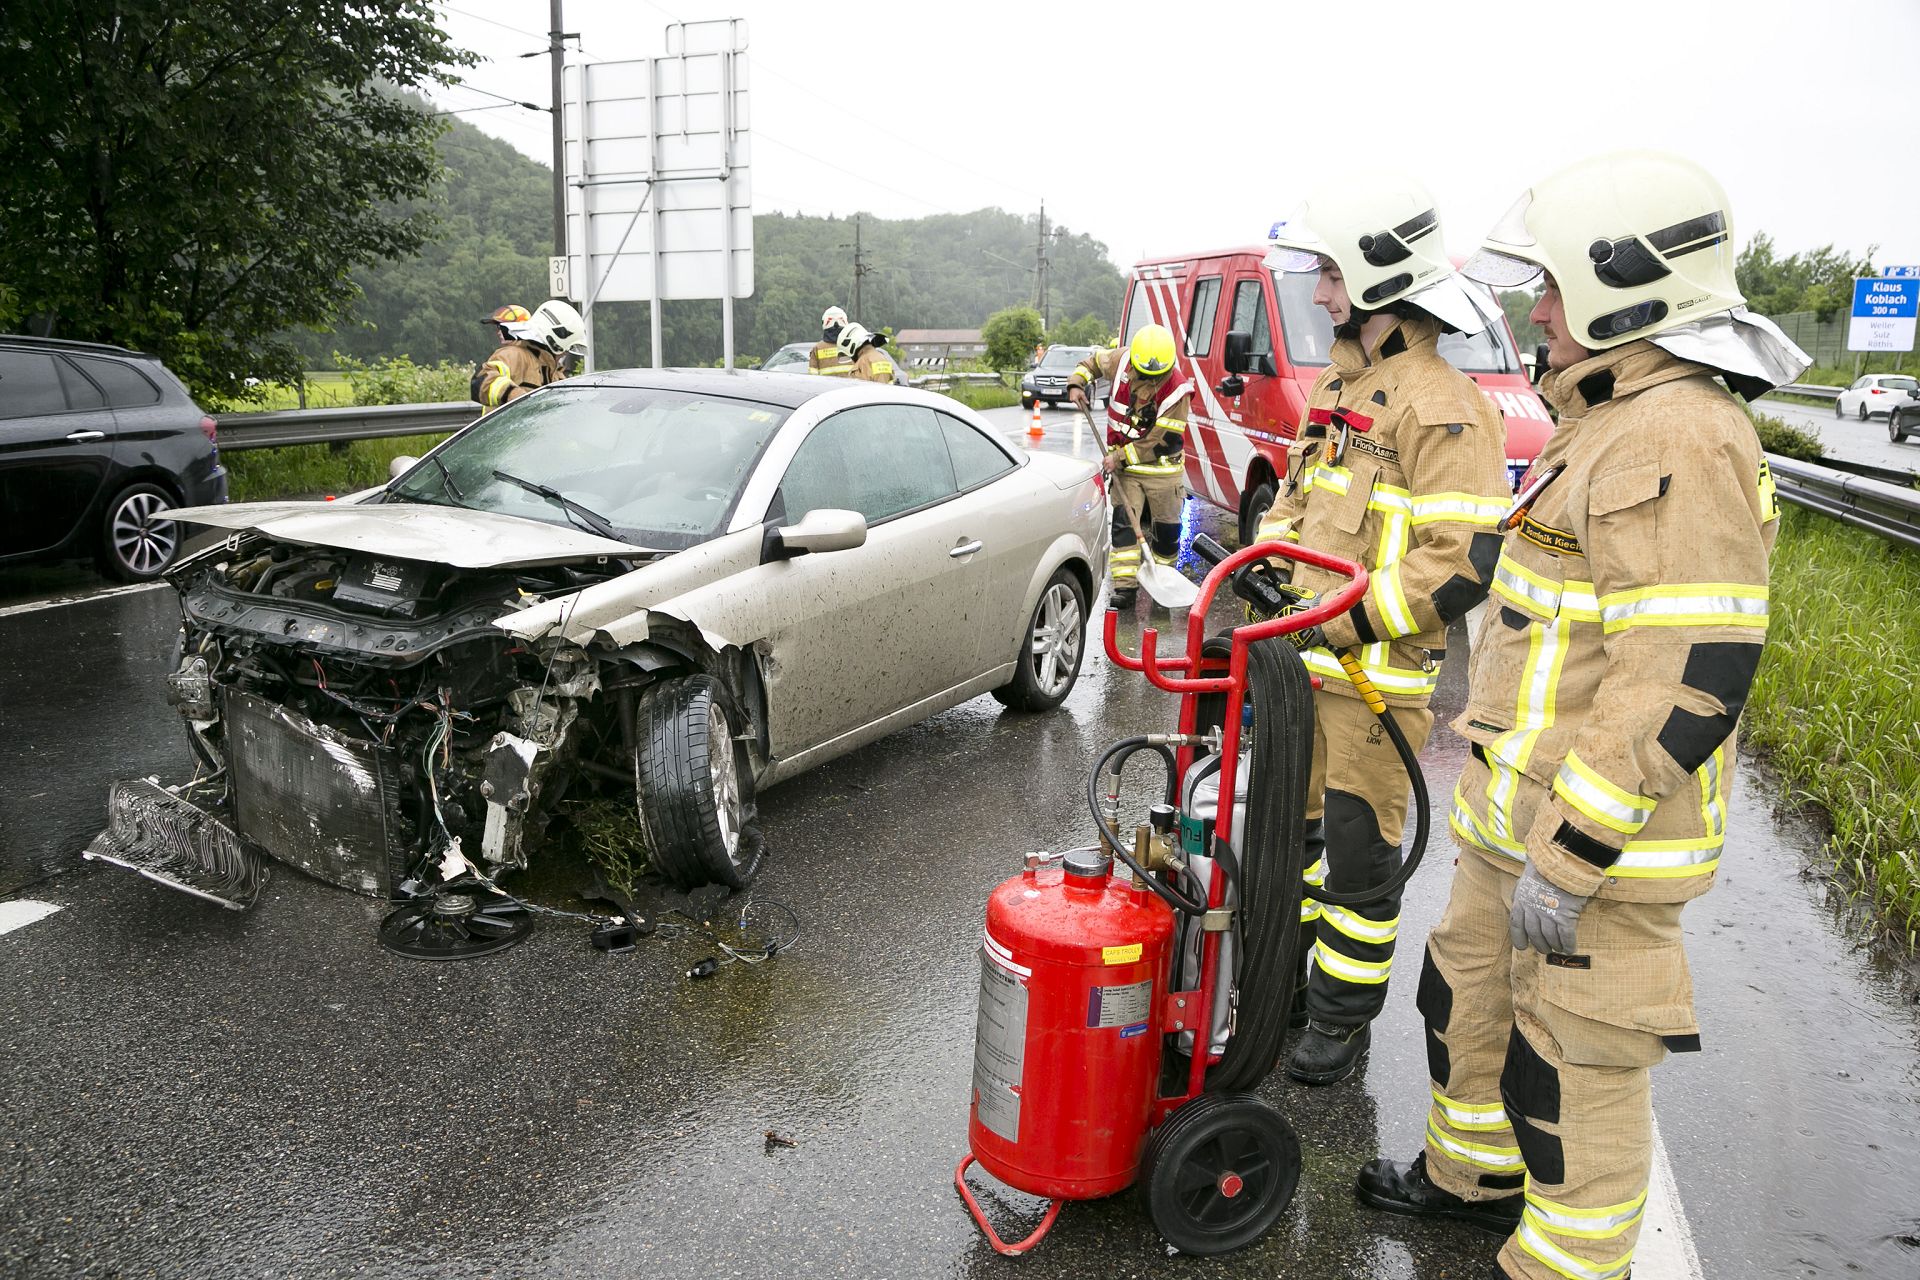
(1129, 954)
(999, 1045)
(1119, 1006)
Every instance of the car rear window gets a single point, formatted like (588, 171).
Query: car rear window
(976, 459)
(29, 385)
(81, 394)
(126, 386)
(1900, 384)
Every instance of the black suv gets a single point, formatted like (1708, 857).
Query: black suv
(93, 441)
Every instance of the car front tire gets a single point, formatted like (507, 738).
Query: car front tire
(133, 546)
(1051, 654)
(694, 784)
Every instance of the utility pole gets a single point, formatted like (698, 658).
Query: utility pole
(1040, 270)
(556, 50)
(860, 267)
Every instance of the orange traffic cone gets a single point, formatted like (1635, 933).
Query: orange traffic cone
(1034, 429)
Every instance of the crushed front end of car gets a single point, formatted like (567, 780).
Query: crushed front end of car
(361, 718)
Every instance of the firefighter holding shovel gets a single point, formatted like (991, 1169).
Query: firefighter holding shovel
(1146, 452)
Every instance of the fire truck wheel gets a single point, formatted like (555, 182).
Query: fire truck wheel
(1220, 1172)
(1254, 511)
(694, 783)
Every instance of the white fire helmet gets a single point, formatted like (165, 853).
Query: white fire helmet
(1383, 232)
(556, 326)
(852, 338)
(1640, 245)
(832, 316)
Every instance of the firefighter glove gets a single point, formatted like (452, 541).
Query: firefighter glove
(1544, 914)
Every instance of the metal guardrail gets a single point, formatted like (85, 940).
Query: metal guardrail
(1812, 391)
(277, 428)
(935, 381)
(1889, 510)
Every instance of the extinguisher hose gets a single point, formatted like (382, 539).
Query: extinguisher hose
(1119, 753)
(1422, 819)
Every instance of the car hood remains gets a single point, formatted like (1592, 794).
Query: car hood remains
(456, 536)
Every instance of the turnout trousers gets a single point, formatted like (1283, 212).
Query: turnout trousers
(1539, 1068)
(1156, 499)
(1356, 811)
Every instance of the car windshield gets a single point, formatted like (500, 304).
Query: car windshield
(1900, 384)
(792, 353)
(1309, 332)
(1062, 357)
(664, 468)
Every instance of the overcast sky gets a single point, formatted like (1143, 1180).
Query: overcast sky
(1200, 132)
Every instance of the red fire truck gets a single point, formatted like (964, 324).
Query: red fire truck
(1236, 444)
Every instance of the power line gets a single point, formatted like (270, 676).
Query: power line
(761, 133)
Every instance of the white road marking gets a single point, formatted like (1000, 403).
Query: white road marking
(20, 913)
(33, 605)
(1665, 1250)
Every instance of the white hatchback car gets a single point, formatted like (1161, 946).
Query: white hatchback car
(664, 587)
(1876, 395)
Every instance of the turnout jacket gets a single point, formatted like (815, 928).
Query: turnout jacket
(1401, 466)
(1146, 417)
(826, 358)
(515, 364)
(1628, 612)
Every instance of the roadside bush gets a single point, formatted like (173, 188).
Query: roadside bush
(1011, 336)
(983, 395)
(399, 380)
(1785, 439)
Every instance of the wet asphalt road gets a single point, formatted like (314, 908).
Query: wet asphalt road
(184, 1091)
(1848, 439)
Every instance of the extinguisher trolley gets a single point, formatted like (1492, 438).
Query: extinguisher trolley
(1096, 1047)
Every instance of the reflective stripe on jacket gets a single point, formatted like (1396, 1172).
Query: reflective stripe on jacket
(873, 364)
(1628, 612)
(517, 364)
(1146, 417)
(1401, 466)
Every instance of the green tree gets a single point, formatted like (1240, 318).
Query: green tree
(1011, 336)
(1820, 280)
(1518, 304)
(195, 177)
(1088, 331)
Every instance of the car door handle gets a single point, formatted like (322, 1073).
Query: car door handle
(87, 437)
(966, 548)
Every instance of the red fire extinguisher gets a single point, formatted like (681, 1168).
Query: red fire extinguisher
(1073, 973)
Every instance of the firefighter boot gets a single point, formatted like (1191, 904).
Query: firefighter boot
(1406, 1189)
(1327, 1054)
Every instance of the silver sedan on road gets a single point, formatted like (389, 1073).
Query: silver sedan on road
(669, 588)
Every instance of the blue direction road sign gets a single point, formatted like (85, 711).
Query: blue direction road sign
(1901, 273)
(1884, 311)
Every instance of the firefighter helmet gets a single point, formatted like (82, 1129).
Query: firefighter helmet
(509, 314)
(556, 326)
(1152, 351)
(1636, 241)
(852, 338)
(833, 316)
(1383, 233)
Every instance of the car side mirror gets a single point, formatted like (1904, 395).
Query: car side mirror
(1539, 363)
(400, 466)
(825, 529)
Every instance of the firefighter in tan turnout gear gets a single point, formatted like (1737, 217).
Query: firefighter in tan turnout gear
(1401, 466)
(1146, 449)
(865, 355)
(1628, 612)
(825, 356)
(553, 333)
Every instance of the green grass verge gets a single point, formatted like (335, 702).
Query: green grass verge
(1836, 705)
(979, 395)
(310, 470)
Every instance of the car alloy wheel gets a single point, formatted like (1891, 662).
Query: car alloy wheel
(134, 545)
(694, 793)
(1058, 633)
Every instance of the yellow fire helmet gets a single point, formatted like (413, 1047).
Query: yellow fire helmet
(509, 314)
(1637, 241)
(1152, 351)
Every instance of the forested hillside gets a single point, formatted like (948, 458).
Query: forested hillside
(936, 272)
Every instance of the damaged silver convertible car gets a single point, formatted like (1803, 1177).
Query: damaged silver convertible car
(675, 586)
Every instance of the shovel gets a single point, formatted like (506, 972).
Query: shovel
(1163, 583)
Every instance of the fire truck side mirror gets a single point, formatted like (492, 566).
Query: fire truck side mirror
(1239, 352)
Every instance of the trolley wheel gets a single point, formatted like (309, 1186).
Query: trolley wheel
(1220, 1172)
